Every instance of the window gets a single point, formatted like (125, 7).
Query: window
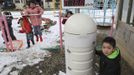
(74, 2)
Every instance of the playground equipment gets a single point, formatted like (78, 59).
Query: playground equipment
(80, 35)
(60, 27)
(15, 44)
(4, 27)
(11, 45)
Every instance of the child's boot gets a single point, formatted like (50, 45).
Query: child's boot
(33, 42)
(37, 38)
(28, 45)
(41, 39)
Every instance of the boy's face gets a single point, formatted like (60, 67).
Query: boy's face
(107, 49)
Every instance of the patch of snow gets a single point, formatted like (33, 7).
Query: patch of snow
(61, 73)
(14, 73)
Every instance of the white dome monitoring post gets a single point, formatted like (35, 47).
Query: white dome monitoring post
(80, 36)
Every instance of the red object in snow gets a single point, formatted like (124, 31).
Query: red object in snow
(26, 25)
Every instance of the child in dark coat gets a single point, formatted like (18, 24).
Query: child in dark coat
(9, 19)
(68, 14)
(109, 57)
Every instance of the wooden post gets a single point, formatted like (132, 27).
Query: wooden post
(133, 21)
(120, 8)
(129, 11)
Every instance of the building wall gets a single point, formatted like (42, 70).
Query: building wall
(124, 33)
(125, 41)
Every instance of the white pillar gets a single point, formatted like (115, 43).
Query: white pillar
(80, 36)
(20, 1)
(13, 1)
(44, 3)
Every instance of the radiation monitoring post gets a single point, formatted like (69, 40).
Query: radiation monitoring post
(77, 3)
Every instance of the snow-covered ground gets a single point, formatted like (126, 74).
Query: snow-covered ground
(33, 55)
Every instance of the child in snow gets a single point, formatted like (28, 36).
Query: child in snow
(26, 28)
(34, 12)
(9, 19)
(68, 14)
(109, 57)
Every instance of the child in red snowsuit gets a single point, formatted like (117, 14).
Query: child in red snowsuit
(26, 28)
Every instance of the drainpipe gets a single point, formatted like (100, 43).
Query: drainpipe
(80, 36)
